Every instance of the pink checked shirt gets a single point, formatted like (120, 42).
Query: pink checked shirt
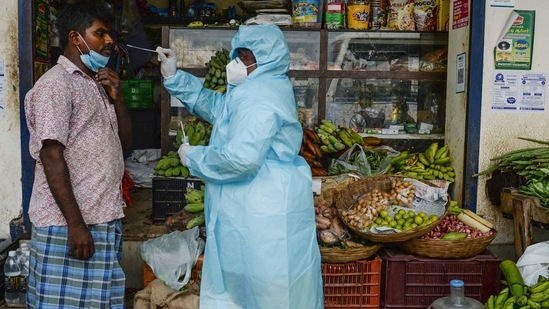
(68, 106)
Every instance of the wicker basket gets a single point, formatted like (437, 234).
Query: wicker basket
(340, 255)
(347, 197)
(445, 248)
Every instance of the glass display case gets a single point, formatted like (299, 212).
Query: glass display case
(386, 83)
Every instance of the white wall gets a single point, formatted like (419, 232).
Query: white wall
(10, 144)
(456, 108)
(499, 130)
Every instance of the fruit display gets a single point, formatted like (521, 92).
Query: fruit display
(432, 164)
(310, 150)
(516, 294)
(335, 139)
(195, 205)
(170, 166)
(381, 209)
(197, 131)
(216, 78)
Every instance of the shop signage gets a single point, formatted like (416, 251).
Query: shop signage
(513, 50)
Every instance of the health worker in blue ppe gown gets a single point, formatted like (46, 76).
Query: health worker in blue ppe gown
(261, 248)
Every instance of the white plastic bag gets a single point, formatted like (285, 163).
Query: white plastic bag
(534, 262)
(172, 256)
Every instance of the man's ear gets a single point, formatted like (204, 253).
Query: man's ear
(74, 38)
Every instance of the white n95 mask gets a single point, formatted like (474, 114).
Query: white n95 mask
(237, 71)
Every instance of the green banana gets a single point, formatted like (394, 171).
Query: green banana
(326, 128)
(441, 152)
(345, 138)
(329, 124)
(355, 137)
(491, 302)
(431, 151)
(442, 160)
(534, 305)
(502, 297)
(423, 159)
(510, 301)
(184, 171)
(194, 207)
(539, 287)
(540, 297)
(196, 221)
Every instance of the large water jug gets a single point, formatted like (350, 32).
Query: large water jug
(457, 299)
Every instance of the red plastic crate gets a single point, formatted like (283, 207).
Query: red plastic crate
(352, 285)
(411, 281)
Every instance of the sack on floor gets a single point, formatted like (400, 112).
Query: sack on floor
(158, 295)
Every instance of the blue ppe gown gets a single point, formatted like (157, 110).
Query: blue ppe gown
(261, 248)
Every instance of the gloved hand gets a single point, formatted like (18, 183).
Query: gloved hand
(182, 152)
(168, 60)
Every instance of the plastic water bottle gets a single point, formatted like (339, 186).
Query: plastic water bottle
(12, 286)
(24, 281)
(457, 299)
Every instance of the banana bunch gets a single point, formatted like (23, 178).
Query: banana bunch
(216, 78)
(349, 137)
(310, 150)
(431, 164)
(533, 297)
(197, 131)
(329, 137)
(195, 204)
(170, 166)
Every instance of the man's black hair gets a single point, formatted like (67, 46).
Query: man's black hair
(78, 15)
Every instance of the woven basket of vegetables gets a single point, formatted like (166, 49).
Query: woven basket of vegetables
(454, 237)
(447, 248)
(348, 254)
(379, 208)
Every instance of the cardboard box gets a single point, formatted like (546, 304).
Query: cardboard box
(443, 15)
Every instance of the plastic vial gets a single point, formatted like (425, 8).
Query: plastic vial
(12, 286)
(457, 299)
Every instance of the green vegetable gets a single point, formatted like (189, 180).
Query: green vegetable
(513, 277)
(454, 236)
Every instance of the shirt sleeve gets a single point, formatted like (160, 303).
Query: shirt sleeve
(48, 110)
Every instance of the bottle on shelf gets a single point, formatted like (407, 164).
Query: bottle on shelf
(457, 299)
(12, 286)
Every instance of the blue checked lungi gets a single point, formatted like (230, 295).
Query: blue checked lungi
(59, 281)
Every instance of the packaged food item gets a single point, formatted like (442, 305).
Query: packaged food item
(305, 13)
(401, 15)
(358, 14)
(443, 15)
(378, 19)
(335, 14)
(424, 15)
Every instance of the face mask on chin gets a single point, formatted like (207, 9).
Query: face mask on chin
(92, 60)
(237, 71)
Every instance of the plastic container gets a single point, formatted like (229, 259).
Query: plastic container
(457, 299)
(411, 281)
(352, 285)
(12, 271)
(358, 14)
